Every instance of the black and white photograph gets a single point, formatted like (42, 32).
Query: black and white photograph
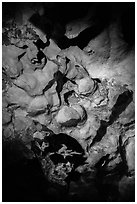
(68, 101)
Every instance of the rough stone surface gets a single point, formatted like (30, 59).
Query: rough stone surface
(68, 107)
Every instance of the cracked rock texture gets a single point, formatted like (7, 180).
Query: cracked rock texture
(68, 102)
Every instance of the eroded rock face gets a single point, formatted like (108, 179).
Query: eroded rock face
(71, 109)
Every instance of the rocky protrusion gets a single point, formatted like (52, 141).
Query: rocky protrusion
(69, 116)
(86, 86)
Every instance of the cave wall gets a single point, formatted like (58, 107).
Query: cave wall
(68, 101)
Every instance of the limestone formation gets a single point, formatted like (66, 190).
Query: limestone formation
(68, 102)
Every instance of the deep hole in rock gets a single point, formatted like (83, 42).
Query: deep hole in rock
(56, 142)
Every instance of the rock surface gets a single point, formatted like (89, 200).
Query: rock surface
(68, 106)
